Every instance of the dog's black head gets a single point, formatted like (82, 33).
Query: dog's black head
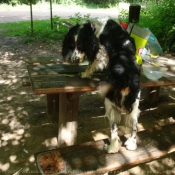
(81, 41)
(115, 38)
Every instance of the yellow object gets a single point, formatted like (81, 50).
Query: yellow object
(141, 37)
(153, 56)
(138, 59)
(140, 44)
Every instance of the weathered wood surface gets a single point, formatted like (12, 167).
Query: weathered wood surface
(41, 60)
(55, 69)
(58, 78)
(53, 105)
(26, 81)
(90, 158)
(68, 117)
(152, 94)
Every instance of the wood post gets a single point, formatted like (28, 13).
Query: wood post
(152, 95)
(68, 116)
(53, 105)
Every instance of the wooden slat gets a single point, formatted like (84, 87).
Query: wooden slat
(90, 158)
(53, 105)
(55, 69)
(57, 78)
(26, 81)
(41, 60)
(164, 81)
(53, 81)
(64, 84)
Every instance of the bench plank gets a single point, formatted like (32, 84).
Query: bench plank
(53, 105)
(57, 78)
(41, 60)
(68, 117)
(90, 158)
(55, 69)
(64, 84)
(26, 81)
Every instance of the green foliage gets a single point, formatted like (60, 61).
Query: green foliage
(160, 19)
(42, 29)
(123, 15)
(64, 2)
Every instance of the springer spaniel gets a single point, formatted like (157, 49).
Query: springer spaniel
(107, 46)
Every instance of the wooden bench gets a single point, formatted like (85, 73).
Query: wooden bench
(63, 86)
(90, 158)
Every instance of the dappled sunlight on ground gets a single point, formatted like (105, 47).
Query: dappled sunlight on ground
(24, 126)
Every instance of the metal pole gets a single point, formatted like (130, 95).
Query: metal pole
(31, 16)
(51, 15)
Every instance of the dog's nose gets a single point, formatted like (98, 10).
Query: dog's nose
(76, 60)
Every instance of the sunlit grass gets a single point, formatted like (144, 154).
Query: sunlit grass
(42, 30)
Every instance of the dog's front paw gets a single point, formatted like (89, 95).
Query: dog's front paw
(131, 144)
(85, 75)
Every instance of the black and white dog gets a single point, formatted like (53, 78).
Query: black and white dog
(107, 46)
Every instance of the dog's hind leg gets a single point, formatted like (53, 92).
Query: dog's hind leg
(132, 121)
(114, 117)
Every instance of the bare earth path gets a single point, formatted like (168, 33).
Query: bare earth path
(25, 128)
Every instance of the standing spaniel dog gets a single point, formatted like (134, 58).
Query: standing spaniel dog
(82, 42)
(107, 46)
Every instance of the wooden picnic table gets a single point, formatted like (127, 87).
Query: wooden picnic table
(63, 85)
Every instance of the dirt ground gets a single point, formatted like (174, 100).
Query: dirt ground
(25, 128)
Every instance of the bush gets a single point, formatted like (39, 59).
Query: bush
(160, 19)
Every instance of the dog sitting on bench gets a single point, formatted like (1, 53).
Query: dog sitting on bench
(107, 46)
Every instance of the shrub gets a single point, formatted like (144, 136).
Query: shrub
(160, 19)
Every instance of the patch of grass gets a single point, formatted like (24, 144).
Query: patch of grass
(42, 31)
(15, 28)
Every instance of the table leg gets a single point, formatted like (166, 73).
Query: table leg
(68, 115)
(152, 95)
(53, 105)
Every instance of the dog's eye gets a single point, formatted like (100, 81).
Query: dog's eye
(72, 45)
(78, 47)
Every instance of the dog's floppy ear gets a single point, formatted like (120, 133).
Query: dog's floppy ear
(89, 40)
(91, 47)
(93, 27)
(69, 41)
